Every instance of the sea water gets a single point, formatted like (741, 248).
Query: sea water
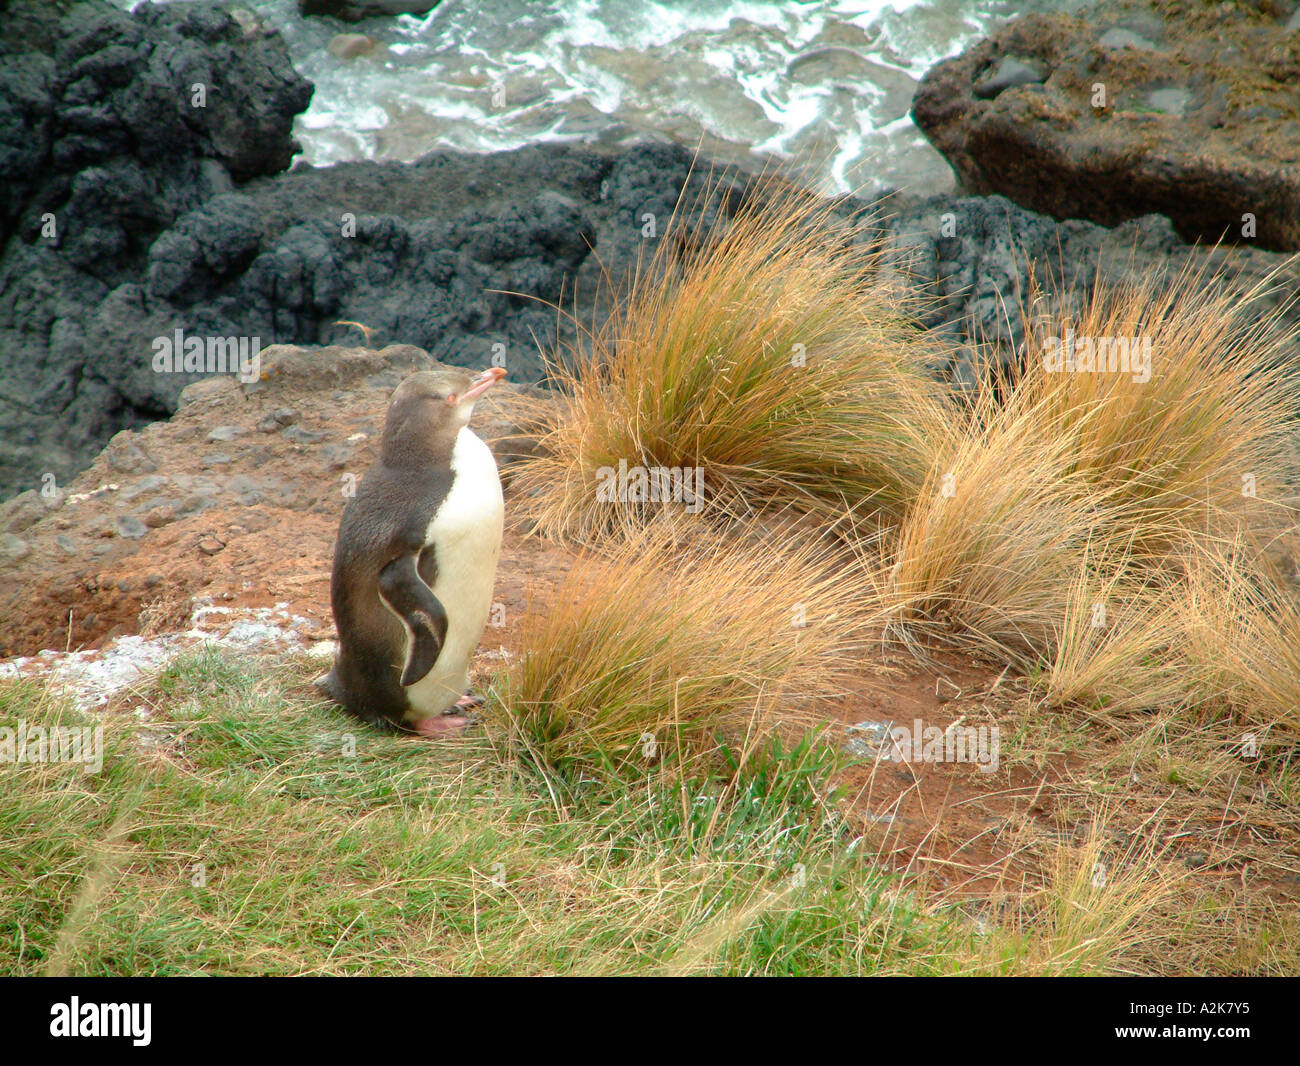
(826, 84)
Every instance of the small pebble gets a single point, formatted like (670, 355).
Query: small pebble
(210, 544)
(350, 45)
(159, 516)
(12, 548)
(130, 526)
(302, 436)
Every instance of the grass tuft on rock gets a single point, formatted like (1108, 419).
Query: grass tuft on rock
(1068, 523)
(765, 349)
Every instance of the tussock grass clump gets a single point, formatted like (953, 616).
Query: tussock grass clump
(764, 350)
(1116, 648)
(1191, 434)
(987, 553)
(1214, 634)
(683, 643)
(1079, 480)
(1094, 910)
(1239, 632)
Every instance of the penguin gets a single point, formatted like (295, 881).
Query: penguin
(415, 560)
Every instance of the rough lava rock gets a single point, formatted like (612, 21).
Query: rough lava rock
(102, 148)
(126, 214)
(1182, 108)
(977, 259)
(460, 254)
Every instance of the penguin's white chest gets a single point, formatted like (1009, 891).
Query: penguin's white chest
(466, 537)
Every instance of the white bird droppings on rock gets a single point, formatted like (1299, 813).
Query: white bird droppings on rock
(92, 678)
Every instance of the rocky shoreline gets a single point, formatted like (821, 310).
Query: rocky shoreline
(130, 213)
(1181, 108)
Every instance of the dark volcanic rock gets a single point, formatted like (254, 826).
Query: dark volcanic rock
(973, 258)
(1194, 114)
(127, 214)
(118, 122)
(462, 255)
(459, 254)
(102, 148)
(352, 10)
(168, 221)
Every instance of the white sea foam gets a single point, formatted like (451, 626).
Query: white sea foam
(488, 77)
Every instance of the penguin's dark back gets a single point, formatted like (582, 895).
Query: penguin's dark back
(387, 518)
(390, 514)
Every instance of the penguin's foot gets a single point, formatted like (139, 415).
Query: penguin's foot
(444, 725)
(470, 702)
(327, 685)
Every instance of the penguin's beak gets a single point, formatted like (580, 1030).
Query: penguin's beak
(483, 382)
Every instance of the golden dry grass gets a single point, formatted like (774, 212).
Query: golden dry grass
(771, 352)
(1239, 633)
(1093, 911)
(1116, 647)
(986, 553)
(764, 351)
(1074, 491)
(1195, 440)
(682, 638)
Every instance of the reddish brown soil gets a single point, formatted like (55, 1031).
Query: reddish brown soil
(169, 513)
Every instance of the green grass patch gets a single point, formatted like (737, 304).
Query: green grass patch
(245, 828)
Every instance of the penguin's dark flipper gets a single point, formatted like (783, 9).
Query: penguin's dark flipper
(406, 594)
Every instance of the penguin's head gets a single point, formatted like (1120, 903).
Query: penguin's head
(429, 409)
